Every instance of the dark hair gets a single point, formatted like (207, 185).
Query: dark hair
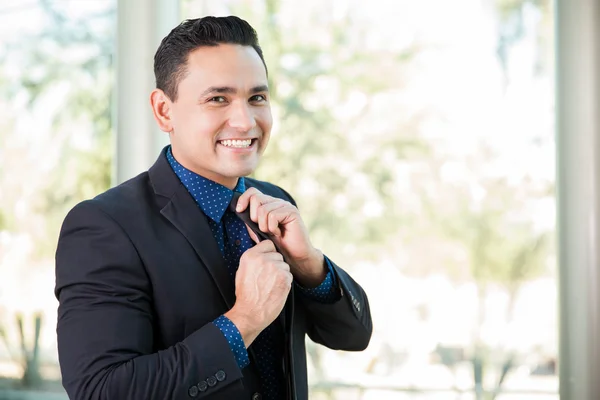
(171, 56)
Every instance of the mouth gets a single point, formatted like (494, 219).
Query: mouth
(238, 143)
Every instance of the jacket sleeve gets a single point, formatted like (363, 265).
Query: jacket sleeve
(345, 324)
(106, 322)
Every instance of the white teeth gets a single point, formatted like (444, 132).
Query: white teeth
(237, 143)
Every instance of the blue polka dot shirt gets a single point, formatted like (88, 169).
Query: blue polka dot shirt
(232, 238)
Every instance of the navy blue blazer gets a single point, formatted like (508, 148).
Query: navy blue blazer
(139, 280)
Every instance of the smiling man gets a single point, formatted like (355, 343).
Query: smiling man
(164, 292)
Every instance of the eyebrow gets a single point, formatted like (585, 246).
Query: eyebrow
(231, 90)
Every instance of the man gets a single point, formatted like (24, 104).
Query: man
(164, 292)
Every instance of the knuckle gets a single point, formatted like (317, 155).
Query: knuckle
(260, 211)
(283, 278)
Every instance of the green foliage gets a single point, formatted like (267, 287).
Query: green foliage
(3, 222)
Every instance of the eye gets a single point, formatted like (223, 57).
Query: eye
(258, 98)
(217, 99)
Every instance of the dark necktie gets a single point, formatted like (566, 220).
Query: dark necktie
(268, 345)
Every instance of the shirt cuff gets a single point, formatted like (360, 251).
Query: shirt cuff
(325, 292)
(234, 338)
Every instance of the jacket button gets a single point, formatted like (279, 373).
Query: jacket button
(193, 391)
(202, 386)
(211, 380)
(220, 375)
(256, 396)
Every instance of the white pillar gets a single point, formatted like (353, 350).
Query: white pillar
(141, 25)
(578, 151)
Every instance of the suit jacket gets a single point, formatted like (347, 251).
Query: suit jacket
(140, 278)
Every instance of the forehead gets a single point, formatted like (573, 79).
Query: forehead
(225, 64)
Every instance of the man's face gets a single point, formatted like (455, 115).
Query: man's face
(221, 121)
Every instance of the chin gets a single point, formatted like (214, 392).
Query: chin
(244, 170)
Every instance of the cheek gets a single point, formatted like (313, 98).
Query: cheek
(265, 121)
(197, 128)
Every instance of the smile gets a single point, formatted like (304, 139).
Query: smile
(238, 144)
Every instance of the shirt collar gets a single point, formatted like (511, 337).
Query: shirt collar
(212, 197)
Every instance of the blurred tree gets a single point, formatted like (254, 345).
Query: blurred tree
(512, 15)
(492, 219)
(66, 61)
(55, 140)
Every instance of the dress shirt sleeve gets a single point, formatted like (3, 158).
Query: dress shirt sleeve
(326, 292)
(234, 338)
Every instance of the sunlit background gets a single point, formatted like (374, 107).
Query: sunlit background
(416, 136)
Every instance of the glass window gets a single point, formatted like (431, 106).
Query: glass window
(56, 79)
(417, 138)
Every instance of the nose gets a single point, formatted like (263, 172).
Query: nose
(241, 117)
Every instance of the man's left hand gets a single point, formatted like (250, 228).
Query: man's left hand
(282, 221)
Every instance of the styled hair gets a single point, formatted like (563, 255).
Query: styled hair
(170, 60)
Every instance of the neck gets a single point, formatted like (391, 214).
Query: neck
(228, 182)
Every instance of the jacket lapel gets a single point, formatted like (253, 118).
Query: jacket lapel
(184, 214)
(178, 206)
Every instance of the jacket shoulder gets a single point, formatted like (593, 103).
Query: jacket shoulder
(270, 189)
(124, 199)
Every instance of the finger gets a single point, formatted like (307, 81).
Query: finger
(275, 256)
(244, 199)
(258, 200)
(281, 216)
(266, 221)
(278, 267)
(266, 246)
(284, 266)
(289, 278)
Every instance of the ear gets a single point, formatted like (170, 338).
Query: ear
(161, 108)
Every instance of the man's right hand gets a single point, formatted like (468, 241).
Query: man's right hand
(262, 283)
